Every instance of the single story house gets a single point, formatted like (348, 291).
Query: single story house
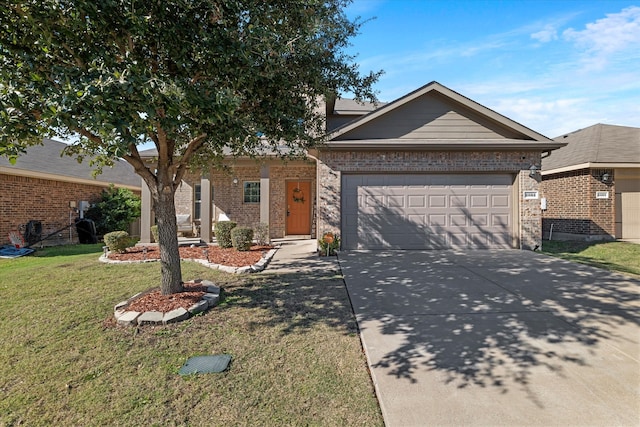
(44, 186)
(592, 185)
(432, 169)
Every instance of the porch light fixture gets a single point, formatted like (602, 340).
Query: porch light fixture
(533, 171)
(605, 178)
(235, 180)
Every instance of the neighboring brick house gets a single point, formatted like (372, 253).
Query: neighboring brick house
(592, 185)
(432, 169)
(45, 187)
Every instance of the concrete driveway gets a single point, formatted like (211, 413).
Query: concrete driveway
(497, 338)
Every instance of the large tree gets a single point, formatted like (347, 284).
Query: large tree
(196, 77)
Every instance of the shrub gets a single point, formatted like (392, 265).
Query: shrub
(117, 241)
(261, 233)
(223, 233)
(241, 238)
(154, 233)
(329, 243)
(116, 209)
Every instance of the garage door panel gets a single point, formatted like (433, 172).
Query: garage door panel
(457, 201)
(479, 201)
(480, 220)
(419, 201)
(500, 220)
(457, 220)
(427, 211)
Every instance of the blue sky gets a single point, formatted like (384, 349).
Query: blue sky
(553, 66)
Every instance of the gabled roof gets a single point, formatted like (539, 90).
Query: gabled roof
(344, 106)
(433, 117)
(595, 146)
(44, 161)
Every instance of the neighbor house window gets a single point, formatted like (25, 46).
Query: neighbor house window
(197, 200)
(252, 192)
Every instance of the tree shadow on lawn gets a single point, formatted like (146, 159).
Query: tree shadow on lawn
(488, 318)
(295, 302)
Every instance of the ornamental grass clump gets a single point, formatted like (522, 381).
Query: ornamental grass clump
(223, 233)
(117, 241)
(241, 238)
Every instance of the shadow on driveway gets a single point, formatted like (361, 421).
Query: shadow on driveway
(497, 338)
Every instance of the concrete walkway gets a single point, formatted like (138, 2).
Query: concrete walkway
(300, 256)
(497, 338)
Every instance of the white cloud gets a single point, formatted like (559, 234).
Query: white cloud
(616, 33)
(547, 34)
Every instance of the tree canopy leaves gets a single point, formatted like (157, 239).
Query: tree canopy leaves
(200, 78)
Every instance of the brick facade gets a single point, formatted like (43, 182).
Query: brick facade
(228, 197)
(279, 175)
(332, 164)
(572, 206)
(25, 198)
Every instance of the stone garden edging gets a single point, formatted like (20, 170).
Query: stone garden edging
(259, 266)
(133, 318)
(209, 299)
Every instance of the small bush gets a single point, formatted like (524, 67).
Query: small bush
(223, 233)
(116, 209)
(117, 241)
(242, 237)
(329, 243)
(261, 233)
(154, 233)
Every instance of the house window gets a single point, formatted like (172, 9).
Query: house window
(252, 192)
(197, 200)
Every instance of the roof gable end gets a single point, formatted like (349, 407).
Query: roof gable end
(434, 112)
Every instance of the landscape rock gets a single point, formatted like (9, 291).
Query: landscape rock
(199, 307)
(177, 315)
(129, 318)
(150, 318)
(212, 299)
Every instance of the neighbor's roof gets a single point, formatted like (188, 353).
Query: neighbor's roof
(595, 146)
(44, 161)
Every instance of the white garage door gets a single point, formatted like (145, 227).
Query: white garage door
(427, 211)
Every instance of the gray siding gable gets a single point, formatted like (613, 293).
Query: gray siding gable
(434, 112)
(431, 116)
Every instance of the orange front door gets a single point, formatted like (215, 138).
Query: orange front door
(298, 207)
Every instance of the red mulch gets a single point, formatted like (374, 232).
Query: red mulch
(155, 301)
(217, 255)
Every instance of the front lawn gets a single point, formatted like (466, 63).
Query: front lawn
(613, 256)
(297, 359)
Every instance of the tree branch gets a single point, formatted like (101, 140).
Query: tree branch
(183, 164)
(141, 169)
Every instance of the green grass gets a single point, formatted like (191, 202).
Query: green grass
(297, 358)
(613, 256)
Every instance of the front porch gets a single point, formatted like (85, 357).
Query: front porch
(281, 195)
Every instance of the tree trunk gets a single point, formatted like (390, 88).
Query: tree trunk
(165, 211)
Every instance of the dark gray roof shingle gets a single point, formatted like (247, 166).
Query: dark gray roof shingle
(599, 143)
(46, 159)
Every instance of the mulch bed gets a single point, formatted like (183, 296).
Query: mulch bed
(155, 301)
(193, 292)
(215, 254)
